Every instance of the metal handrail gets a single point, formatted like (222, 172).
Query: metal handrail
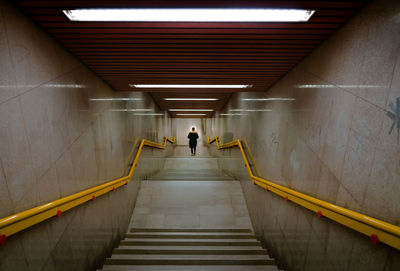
(20, 221)
(377, 230)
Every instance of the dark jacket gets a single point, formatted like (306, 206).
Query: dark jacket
(193, 136)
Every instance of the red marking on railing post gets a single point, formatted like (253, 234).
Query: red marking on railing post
(3, 239)
(113, 189)
(254, 182)
(93, 198)
(319, 214)
(59, 212)
(374, 239)
(287, 198)
(267, 189)
(126, 183)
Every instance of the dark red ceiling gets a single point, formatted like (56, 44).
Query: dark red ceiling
(123, 53)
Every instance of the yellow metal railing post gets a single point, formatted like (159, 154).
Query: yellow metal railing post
(18, 222)
(378, 230)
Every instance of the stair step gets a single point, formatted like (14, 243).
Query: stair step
(195, 234)
(190, 230)
(185, 261)
(190, 236)
(188, 257)
(198, 163)
(185, 178)
(189, 250)
(190, 268)
(190, 242)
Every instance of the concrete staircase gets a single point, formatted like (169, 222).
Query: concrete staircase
(189, 249)
(190, 216)
(190, 175)
(190, 168)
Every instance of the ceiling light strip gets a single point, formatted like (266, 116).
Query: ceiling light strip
(114, 99)
(251, 110)
(268, 99)
(187, 86)
(190, 109)
(191, 99)
(131, 110)
(191, 114)
(189, 15)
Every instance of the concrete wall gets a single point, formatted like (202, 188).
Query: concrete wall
(183, 126)
(338, 141)
(56, 141)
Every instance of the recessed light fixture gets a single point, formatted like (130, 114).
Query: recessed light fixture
(269, 99)
(191, 110)
(191, 114)
(191, 99)
(187, 86)
(115, 99)
(132, 110)
(190, 15)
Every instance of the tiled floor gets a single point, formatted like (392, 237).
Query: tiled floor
(191, 204)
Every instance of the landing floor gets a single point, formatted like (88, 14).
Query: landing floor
(190, 204)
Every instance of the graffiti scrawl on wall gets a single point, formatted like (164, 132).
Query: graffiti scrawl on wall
(395, 117)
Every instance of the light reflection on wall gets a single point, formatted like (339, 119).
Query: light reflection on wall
(46, 85)
(340, 86)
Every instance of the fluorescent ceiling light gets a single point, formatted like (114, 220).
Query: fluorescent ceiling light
(190, 15)
(130, 110)
(191, 99)
(191, 114)
(269, 99)
(233, 114)
(187, 86)
(251, 110)
(190, 109)
(115, 99)
(148, 114)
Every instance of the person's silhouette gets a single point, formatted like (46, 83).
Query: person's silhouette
(193, 136)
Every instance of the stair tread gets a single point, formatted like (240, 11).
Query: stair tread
(195, 256)
(189, 261)
(189, 230)
(191, 240)
(256, 248)
(190, 268)
(202, 236)
(195, 233)
(186, 178)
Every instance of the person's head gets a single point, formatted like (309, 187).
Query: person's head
(193, 129)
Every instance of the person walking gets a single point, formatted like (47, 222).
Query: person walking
(193, 136)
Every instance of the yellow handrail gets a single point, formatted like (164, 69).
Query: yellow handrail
(18, 222)
(378, 230)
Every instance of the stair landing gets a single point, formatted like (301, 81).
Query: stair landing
(190, 204)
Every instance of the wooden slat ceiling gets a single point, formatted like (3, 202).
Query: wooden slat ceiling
(123, 53)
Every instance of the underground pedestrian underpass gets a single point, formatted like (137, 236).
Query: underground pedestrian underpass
(296, 105)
